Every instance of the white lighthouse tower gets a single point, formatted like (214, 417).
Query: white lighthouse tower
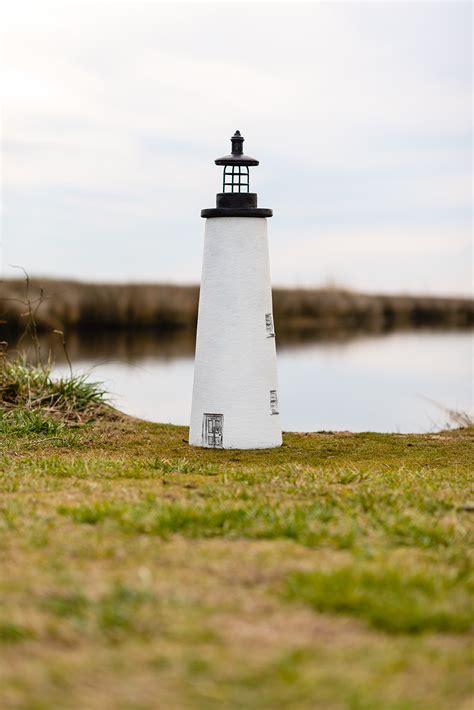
(235, 394)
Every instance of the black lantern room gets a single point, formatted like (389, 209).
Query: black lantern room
(236, 166)
(236, 200)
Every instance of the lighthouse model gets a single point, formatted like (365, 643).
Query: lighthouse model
(235, 394)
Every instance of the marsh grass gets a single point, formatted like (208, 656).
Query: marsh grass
(32, 401)
(167, 307)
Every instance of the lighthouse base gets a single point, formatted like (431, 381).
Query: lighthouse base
(235, 394)
(219, 431)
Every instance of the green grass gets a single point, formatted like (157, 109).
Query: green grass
(343, 526)
(392, 599)
(13, 633)
(137, 572)
(25, 421)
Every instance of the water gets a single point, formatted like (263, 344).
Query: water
(397, 382)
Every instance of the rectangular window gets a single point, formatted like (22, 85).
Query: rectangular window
(273, 402)
(212, 430)
(269, 325)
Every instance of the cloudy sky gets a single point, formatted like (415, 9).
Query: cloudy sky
(360, 113)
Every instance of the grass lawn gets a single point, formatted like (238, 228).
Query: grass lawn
(137, 572)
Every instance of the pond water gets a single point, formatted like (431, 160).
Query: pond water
(398, 382)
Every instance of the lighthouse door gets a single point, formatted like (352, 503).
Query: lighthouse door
(212, 425)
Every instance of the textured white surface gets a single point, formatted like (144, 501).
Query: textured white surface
(235, 363)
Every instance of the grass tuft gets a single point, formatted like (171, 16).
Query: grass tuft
(24, 421)
(29, 394)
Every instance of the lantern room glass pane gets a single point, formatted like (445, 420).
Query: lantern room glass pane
(236, 178)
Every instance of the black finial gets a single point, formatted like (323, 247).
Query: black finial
(237, 142)
(237, 156)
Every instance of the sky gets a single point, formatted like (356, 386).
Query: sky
(360, 114)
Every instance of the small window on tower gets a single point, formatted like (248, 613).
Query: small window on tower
(273, 402)
(269, 325)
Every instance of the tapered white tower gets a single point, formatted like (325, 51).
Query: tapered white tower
(235, 394)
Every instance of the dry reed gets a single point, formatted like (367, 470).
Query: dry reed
(86, 306)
